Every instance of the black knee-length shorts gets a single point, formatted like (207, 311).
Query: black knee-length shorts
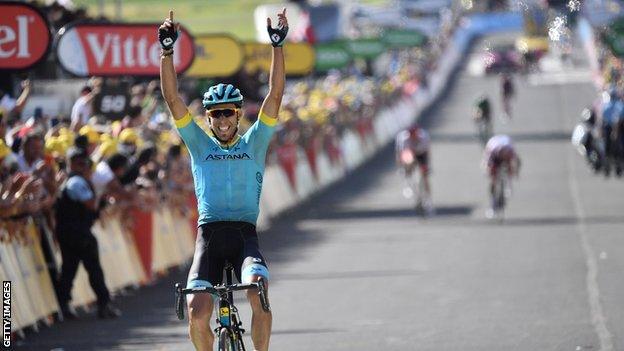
(221, 242)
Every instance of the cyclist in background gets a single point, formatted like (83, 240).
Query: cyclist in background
(508, 92)
(499, 152)
(483, 118)
(412, 150)
(228, 170)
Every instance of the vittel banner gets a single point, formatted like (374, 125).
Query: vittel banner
(24, 36)
(113, 49)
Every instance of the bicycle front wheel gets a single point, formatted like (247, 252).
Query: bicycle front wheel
(226, 341)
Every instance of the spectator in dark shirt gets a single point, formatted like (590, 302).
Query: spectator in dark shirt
(76, 211)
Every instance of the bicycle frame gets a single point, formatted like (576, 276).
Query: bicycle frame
(227, 316)
(501, 190)
(484, 130)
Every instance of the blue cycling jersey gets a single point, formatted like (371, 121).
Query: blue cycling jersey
(228, 178)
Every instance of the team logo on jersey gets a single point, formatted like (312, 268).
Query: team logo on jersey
(217, 157)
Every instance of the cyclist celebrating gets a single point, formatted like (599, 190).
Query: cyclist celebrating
(227, 170)
(412, 149)
(499, 153)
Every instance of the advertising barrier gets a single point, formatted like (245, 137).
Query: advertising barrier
(401, 38)
(115, 49)
(219, 55)
(22, 261)
(298, 58)
(24, 36)
(365, 48)
(331, 56)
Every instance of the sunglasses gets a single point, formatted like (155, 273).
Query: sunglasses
(223, 112)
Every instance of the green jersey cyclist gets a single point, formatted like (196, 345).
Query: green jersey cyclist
(227, 171)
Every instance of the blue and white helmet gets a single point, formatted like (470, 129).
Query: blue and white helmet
(222, 94)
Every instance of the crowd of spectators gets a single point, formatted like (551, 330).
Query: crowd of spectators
(600, 135)
(129, 156)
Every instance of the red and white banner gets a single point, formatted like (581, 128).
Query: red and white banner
(24, 36)
(113, 49)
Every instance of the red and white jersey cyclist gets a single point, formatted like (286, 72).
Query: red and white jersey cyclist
(499, 151)
(412, 146)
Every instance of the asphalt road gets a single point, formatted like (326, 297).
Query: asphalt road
(355, 269)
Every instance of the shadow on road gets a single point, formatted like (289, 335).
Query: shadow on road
(451, 138)
(563, 220)
(327, 214)
(349, 275)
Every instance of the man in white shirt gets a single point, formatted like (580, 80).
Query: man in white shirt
(106, 177)
(82, 109)
(10, 105)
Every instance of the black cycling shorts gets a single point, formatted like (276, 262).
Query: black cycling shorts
(221, 242)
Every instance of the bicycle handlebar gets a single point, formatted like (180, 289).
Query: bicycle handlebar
(219, 289)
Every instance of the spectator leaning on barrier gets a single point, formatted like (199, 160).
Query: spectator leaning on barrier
(76, 211)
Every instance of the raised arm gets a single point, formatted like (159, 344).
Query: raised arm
(23, 98)
(277, 76)
(167, 35)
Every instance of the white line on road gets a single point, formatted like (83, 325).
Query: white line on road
(560, 78)
(598, 319)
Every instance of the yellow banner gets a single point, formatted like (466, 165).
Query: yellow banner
(216, 56)
(298, 57)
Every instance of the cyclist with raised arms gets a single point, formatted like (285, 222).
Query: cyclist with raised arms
(227, 171)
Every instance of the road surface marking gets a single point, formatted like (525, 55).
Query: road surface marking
(598, 319)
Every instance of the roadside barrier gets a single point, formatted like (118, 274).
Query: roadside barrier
(23, 263)
(129, 255)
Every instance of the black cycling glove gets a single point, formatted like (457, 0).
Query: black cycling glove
(167, 37)
(277, 35)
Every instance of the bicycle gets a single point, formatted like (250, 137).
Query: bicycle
(415, 185)
(502, 190)
(484, 130)
(229, 329)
